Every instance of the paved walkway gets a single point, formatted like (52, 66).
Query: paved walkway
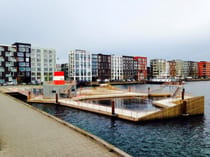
(25, 132)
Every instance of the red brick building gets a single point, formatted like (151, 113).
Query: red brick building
(204, 69)
(141, 68)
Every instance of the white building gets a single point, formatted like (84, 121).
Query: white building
(179, 69)
(116, 67)
(43, 64)
(80, 65)
(159, 68)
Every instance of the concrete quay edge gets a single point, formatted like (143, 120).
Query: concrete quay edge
(100, 141)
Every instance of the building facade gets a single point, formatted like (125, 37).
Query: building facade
(104, 67)
(141, 68)
(116, 68)
(23, 56)
(80, 65)
(128, 68)
(43, 64)
(179, 69)
(172, 69)
(158, 68)
(94, 67)
(65, 69)
(193, 69)
(8, 64)
(204, 69)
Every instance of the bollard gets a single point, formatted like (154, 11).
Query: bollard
(184, 109)
(183, 91)
(56, 98)
(29, 95)
(149, 92)
(113, 108)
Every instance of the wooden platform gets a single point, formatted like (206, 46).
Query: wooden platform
(168, 107)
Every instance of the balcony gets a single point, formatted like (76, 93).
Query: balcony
(2, 69)
(12, 59)
(12, 69)
(9, 64)
(1, 59)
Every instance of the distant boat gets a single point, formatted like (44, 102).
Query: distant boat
(162, 80)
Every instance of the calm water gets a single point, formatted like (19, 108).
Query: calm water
(187, 136)
(136, 104)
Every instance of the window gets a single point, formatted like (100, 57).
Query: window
(27, 59)
(22, 69)
(27, 73)
(28, 55)
(20, 54)
(28, 69)
(27, 49)
(22, 64)
(20, 59)
(22, 49)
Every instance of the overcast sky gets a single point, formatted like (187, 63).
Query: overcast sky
(168, 29)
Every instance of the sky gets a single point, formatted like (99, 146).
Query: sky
(167, 29)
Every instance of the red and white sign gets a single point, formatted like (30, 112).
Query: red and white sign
(58, 78)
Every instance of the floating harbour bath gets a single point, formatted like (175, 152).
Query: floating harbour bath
(173, 104)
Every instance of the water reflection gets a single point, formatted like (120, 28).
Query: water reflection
(135, 103)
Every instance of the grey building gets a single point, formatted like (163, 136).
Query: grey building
(128, 67)
(8, 64)
(65, 69)
(23, 56)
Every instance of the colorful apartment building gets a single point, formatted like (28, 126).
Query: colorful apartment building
(172, 69)
(204, 69)
(141, 68)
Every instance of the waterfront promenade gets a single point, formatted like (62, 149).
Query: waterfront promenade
(27, 132)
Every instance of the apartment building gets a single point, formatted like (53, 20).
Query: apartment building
(80, 65)
(8, 64)
(104, 67)
(141, 68)
(193, 69)
(128, 67)
(94, 67)
(23, 56)
(159, 68)
(65, 69)
(116, 68)
(43, 64)
(204, 69)
(180, 69)
(172, 69)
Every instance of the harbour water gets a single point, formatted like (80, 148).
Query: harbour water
(185, 136)
(135, 104)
